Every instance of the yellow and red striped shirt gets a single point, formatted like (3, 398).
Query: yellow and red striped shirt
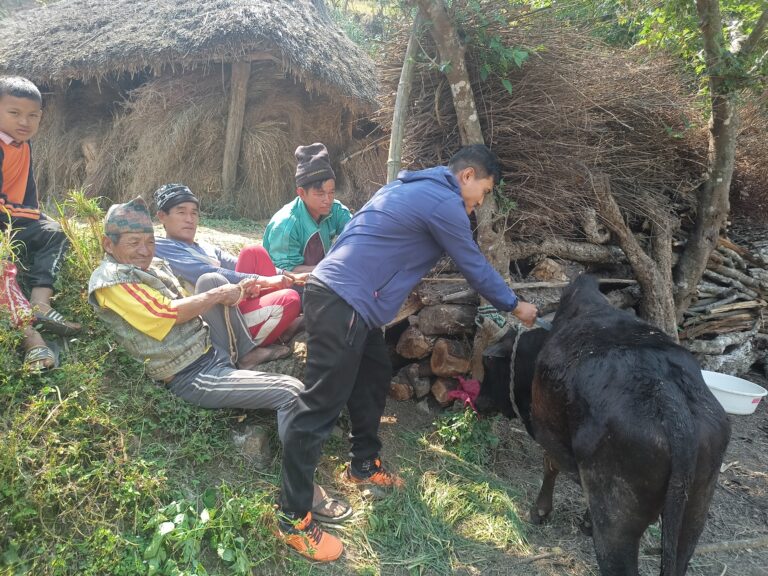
(142, 307)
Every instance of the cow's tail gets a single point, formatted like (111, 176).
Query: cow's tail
(681, 435)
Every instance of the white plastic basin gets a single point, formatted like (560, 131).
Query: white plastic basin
(737, 396)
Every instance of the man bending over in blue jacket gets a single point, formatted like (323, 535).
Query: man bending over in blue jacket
(384, 251)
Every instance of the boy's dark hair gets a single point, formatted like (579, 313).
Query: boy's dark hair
(20, 88)
(478, 156)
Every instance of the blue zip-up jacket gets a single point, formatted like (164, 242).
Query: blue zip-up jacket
(397, 237)
(190, 261)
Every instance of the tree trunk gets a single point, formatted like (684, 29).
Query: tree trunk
(653, 274)
(241, 73)
(492, 243)
(713, 201)
(402, 100)
(455, 68)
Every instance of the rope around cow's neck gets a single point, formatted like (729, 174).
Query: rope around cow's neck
(512, 358)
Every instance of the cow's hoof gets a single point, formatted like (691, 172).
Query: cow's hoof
(586, 524)
(538, 517)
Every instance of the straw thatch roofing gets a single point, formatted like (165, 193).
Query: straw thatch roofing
(88, 39)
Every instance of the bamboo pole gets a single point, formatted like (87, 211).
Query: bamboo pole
(402, 100)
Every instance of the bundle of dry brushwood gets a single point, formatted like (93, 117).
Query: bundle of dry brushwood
(731, 298)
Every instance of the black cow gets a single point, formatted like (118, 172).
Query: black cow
(616, 402)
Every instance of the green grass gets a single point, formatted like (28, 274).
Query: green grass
(103, 472)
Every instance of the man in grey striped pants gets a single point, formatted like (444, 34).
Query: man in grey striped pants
(198, 346)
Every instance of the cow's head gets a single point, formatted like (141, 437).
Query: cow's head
(510, 362)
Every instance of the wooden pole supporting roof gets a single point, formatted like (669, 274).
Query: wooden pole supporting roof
(238, 87)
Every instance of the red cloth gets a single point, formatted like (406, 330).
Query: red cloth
(11, 297)
(467, 391)
(269, 315)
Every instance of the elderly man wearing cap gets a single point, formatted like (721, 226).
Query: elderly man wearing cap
(300, 234)
(272, 311)
(197, 346)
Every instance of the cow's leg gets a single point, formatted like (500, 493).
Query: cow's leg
(619, 519)
(694, 518)
(586, 523)
(543, 506)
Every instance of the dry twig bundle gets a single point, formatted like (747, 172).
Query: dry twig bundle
(575, 107)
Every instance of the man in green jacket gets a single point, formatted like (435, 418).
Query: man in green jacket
(300, 234)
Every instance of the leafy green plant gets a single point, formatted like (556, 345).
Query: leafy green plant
(8, 245)
(81, 218)
(496, 58)
(221, 521)
(467, 436)
(505, 204)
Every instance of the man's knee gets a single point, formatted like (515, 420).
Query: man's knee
(254, 251)
(208, 281)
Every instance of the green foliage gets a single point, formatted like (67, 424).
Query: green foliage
(8, 245)
(180, 530)
(367, 22)
(80, 211)
(505, 203)
(673, 27)
(480, 26)
(467, 436)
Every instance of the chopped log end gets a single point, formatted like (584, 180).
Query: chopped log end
(400, 391)
(440, 389)
(450, 357)
(414, 344)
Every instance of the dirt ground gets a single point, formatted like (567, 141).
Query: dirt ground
(739, 510)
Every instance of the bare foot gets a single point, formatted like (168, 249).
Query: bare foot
(260, 354)
(295, 327)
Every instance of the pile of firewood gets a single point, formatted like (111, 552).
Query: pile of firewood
(731, 295)
(721, 327)
(438, 339)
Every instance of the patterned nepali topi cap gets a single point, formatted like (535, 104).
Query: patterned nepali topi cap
(132, 216)
(170, 195)
(312, 164)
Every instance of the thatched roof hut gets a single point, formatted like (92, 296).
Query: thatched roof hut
(104, 59)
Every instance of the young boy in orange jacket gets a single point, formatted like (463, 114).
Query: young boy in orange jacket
(41, 243)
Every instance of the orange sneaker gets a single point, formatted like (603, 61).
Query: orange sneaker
(376, 475)
(308, 539)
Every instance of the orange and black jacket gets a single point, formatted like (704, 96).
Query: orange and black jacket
(18, 193)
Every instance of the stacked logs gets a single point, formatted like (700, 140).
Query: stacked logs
(731, 295)
(438, 339)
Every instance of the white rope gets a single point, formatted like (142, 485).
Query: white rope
(512, 358)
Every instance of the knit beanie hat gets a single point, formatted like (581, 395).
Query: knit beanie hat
(132, 216)
(170, 195)
(312, 164)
